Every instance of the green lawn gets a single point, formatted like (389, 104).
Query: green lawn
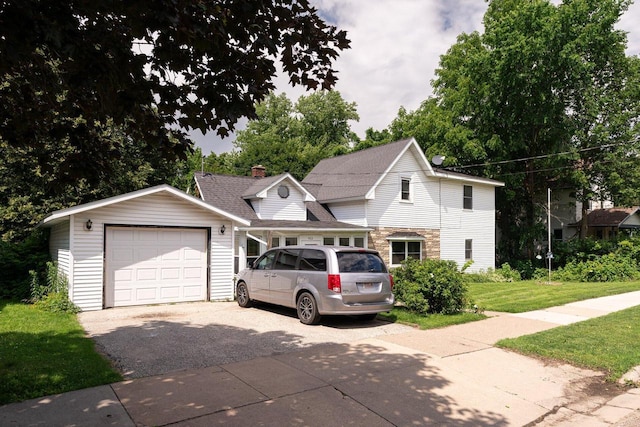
(402, 315)
(44, 353)
(607, 343)
(518, 297)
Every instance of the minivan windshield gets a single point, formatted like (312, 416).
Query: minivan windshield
(353, 262)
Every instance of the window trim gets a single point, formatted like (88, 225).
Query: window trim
(406, 249)
(409, 191)
(468, 249)
(467, 199)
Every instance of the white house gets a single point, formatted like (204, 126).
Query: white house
(160, 245)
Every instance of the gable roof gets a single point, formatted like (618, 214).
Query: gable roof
(232, 193)
(356, 175)
(60, 215)
(352, 176)
(260, 187)
(613, 217)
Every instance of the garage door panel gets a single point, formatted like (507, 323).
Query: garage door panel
(147, 266)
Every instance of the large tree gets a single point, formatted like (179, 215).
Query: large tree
(153, 70)
(293, 138)
(544, 94)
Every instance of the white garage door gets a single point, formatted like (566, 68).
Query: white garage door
(155, 265)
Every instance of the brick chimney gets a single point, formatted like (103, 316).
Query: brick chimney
(258, 172)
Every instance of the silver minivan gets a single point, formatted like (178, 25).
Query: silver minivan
(319, 280)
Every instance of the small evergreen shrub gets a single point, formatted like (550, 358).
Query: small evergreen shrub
(50, 291)
(430, 286)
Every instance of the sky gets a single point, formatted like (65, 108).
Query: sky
(395, 49)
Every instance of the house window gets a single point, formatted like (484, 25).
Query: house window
(290, 241)
(329, 241)
(358, 242)
(344, 241)
(275, 242)
(468, 249)
(557, 234)
(405, 189)
(253, 250)
(401, 250)
(467, 198)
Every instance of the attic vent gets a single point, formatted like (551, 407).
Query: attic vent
(258, 171)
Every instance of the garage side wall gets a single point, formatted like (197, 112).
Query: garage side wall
(60, 250)
(152, 210)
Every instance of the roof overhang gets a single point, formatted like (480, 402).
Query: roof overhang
(61, 215)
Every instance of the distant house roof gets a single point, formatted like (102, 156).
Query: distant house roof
(614, 217)
(355, 175)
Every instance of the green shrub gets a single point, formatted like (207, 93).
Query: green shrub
(502, 274)
(17, 259)
(50, 290)
(430, 286)
(612, 267)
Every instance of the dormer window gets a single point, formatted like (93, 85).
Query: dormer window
(283, 191)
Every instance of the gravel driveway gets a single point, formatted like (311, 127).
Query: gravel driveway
(151, 340)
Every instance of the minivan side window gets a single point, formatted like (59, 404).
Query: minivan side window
(287, 259)
(313, 260)
(354, 262)
(266, 262)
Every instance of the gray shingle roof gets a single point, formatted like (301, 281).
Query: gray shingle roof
(352, 175)
(227, 192)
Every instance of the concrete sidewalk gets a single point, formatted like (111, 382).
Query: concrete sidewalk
(452, 376)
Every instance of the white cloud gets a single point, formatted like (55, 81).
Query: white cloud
(395, 50)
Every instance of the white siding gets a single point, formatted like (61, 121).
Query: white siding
(60, 250)
(459, 225)
(152, 210)
(350, 212)
(388, 210)
(275, 207)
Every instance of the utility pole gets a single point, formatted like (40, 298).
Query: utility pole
(549, 253)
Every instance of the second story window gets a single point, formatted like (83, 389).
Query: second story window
(467, 198)
(405, 189)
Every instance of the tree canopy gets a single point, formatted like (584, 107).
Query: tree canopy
(293, 138)
(545, 97)
(74, 74)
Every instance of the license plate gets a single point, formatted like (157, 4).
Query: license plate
(368, 285)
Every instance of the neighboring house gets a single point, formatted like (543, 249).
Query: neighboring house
(160, 245)
(608, 223)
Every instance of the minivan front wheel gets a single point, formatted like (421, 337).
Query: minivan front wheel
(242, 295)
(307, 309)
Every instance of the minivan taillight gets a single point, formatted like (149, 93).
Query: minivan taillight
(391, 281)
(334, 283)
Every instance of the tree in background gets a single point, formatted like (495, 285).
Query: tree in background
(294, 138)
(74, 74)
(545, 97)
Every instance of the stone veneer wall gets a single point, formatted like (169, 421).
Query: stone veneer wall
(430, 246)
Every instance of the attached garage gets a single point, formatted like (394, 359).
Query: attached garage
(155, 265)
(153, 246)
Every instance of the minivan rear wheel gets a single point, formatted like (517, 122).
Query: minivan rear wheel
(307, 309)
(242, 295)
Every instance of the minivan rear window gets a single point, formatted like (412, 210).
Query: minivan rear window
(313, 260)
(353, 262)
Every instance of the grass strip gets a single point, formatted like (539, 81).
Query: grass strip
(608, 343)
(43, 353)
(518, 297)
(432, 321)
